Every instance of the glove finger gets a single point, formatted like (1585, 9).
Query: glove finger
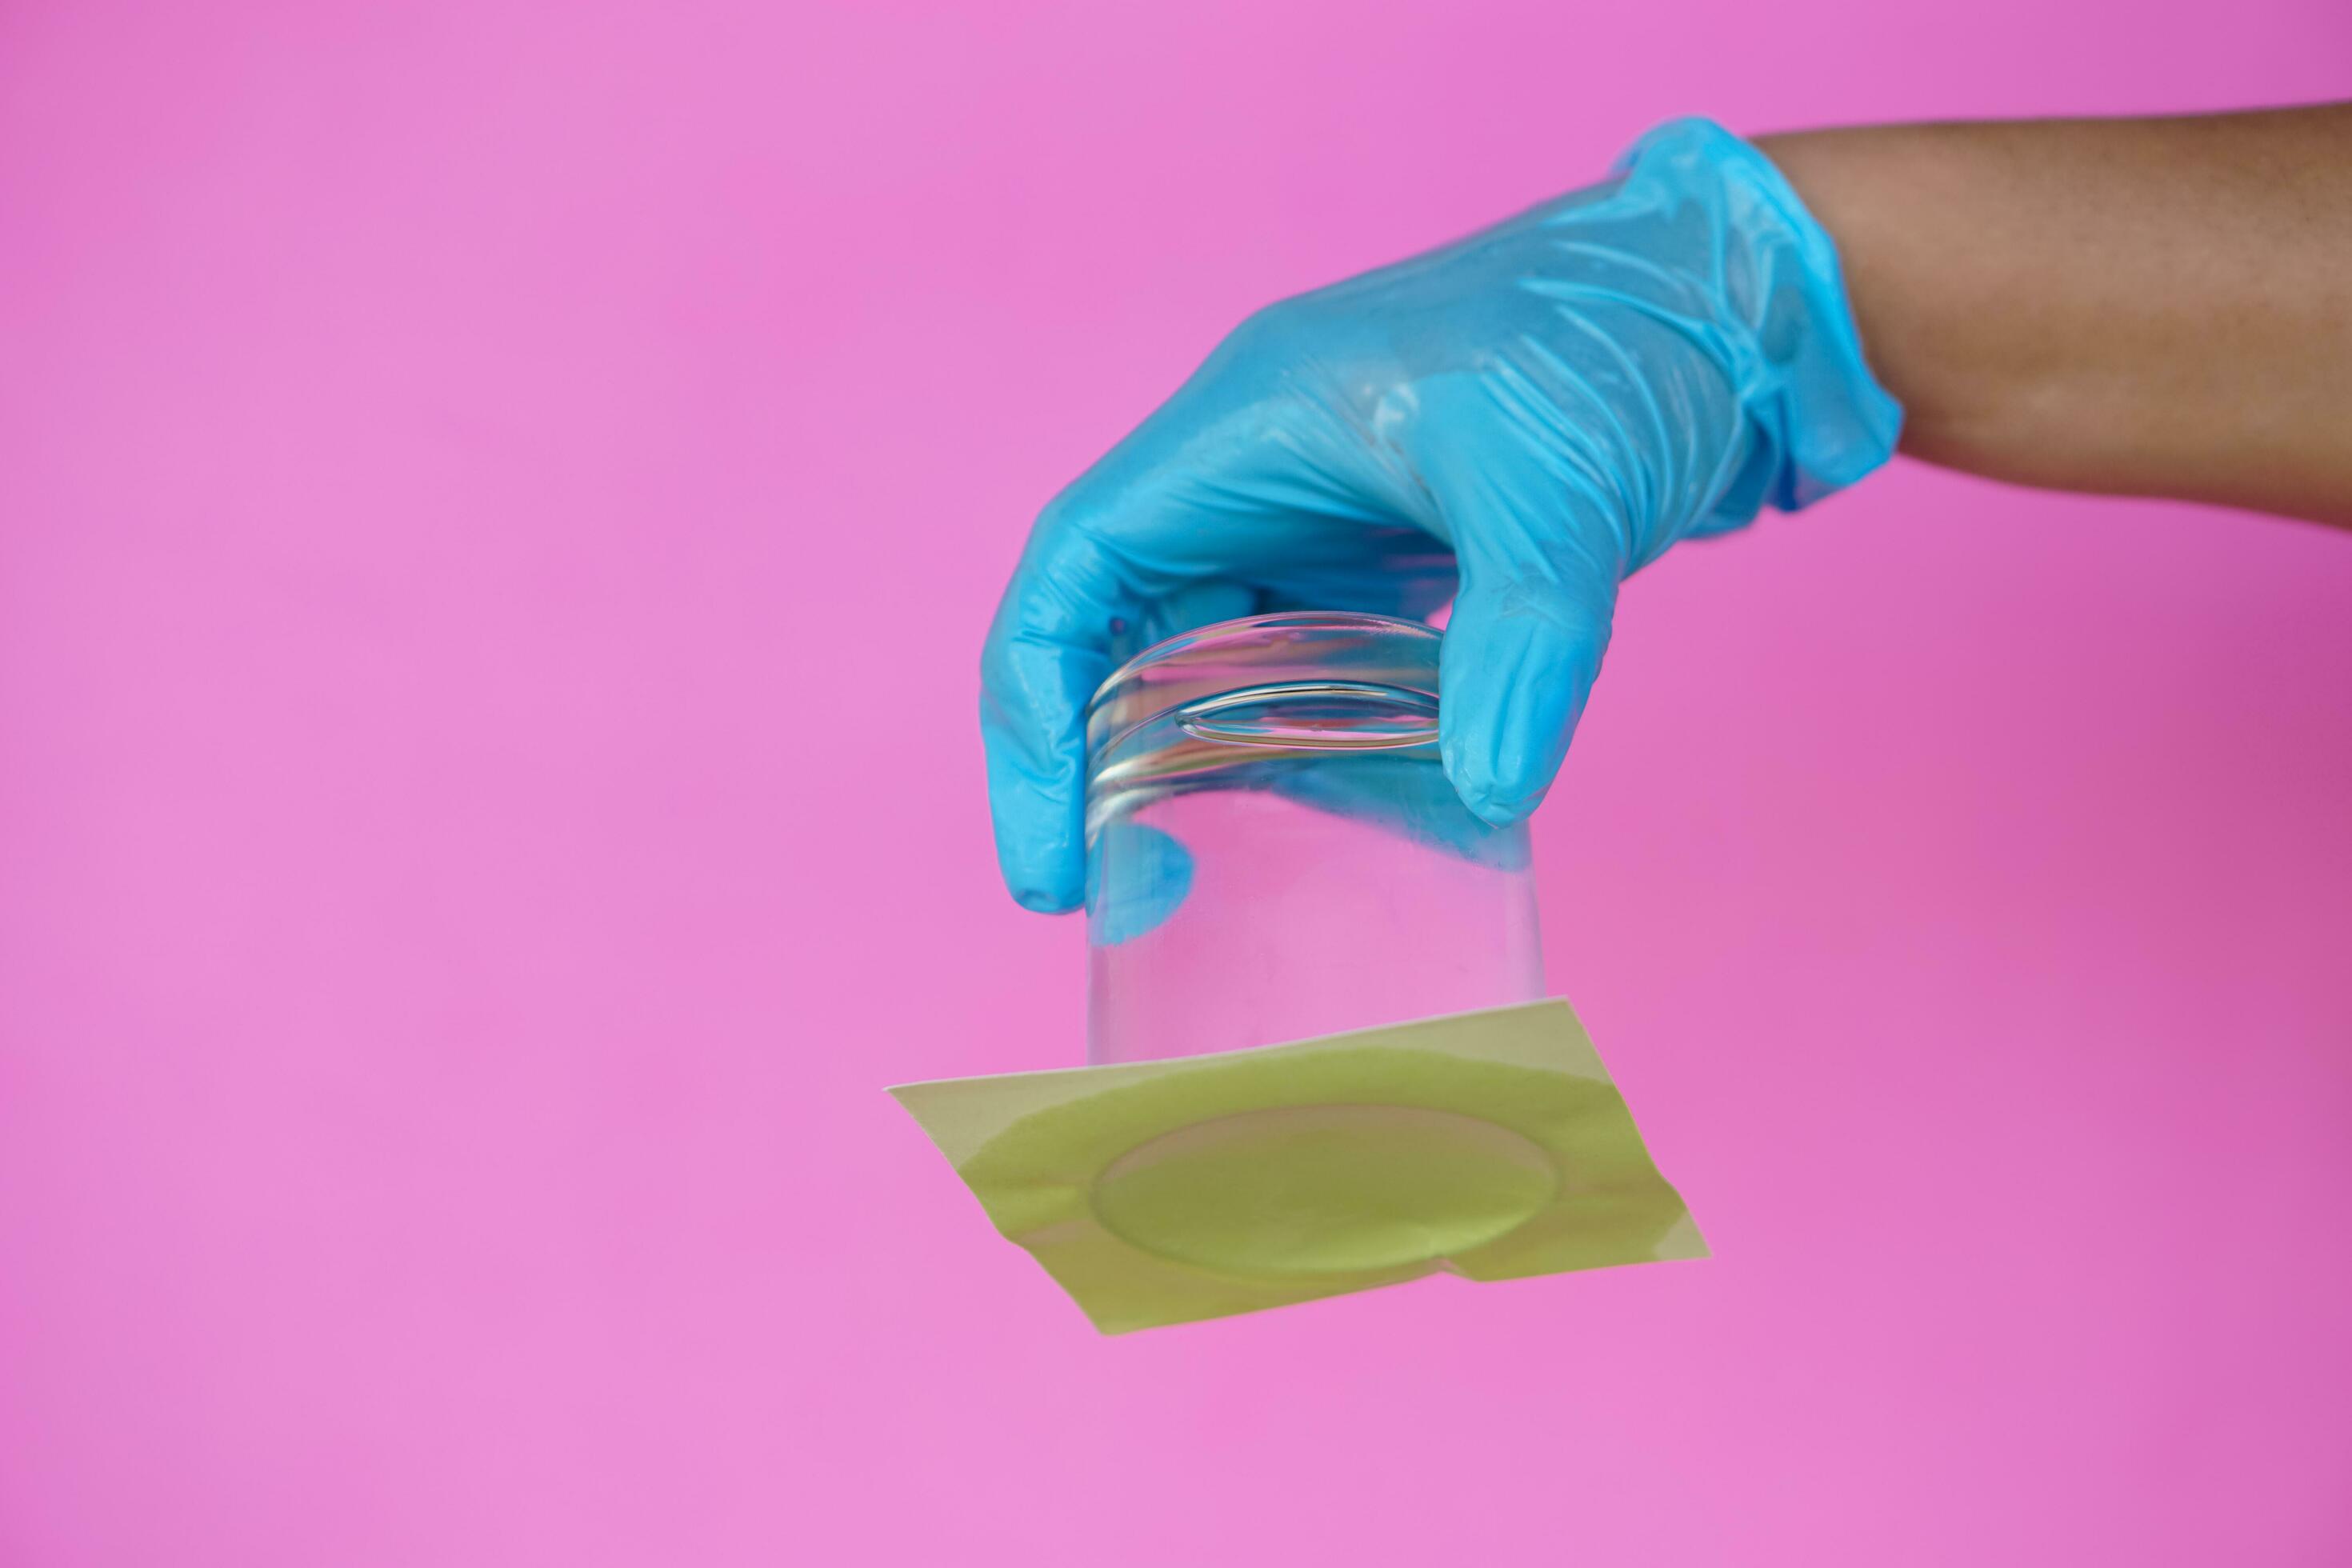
(1525, 639)
(1048, 649)
(1236, 480)
(1515, 672)
(1162, 535)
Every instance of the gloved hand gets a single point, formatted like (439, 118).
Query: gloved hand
(1517, 421)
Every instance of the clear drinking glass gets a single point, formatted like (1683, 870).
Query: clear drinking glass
(1273, 850)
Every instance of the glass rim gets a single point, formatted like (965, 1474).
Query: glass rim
(1227, 633)
(1275, 679)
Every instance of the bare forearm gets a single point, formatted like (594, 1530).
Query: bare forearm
(2146, 307)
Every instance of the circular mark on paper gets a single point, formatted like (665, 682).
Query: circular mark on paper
(1324, 1189)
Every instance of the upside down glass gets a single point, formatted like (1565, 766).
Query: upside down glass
(1273, 850)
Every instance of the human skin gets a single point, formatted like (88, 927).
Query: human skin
(2140, 307)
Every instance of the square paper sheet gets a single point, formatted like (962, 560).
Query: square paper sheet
(1493, 1145)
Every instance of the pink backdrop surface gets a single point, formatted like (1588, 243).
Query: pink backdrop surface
(497, 508)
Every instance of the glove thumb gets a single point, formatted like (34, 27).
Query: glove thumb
(1521, 652)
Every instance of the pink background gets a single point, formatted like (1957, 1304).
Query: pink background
(497, 508)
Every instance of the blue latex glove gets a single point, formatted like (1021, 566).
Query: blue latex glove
(1517, 422)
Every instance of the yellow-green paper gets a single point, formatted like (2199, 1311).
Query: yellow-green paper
(1493, 1145)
